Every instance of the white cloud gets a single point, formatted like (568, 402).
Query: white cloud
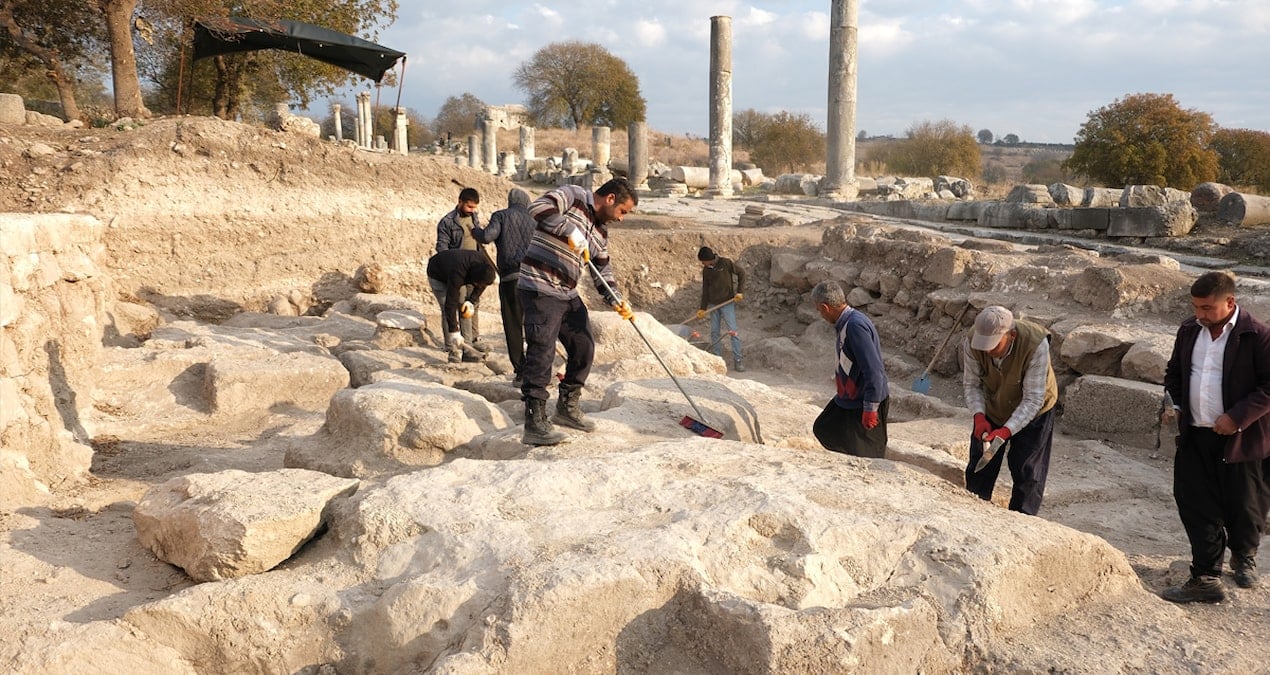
(649, 33)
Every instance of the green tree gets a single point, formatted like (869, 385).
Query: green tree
(1243, 157)
(933, 149)
(985, 136)
(787, 142)
(55, 38)
(1010, 139)
(1145, 139)
(457, 116)
(569, 84)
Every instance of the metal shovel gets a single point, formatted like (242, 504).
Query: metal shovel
(922, 384)
(699, 427)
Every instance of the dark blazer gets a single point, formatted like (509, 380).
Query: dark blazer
(1245, 384)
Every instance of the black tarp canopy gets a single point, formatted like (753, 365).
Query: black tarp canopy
(240, 34)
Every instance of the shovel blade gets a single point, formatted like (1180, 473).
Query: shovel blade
(922, 384)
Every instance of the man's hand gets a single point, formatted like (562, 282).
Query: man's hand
(1225, 425)
(869, 419)
(701, 314)
(982, 426)
(454, 339)
(1002, 433)
(578, 244)
(624, 309)
(738, 297)
(467, 310)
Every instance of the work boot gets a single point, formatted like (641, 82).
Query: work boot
(1245, 567)
(738, 366)
(1197, 589)
(569, 409)
(538, 429)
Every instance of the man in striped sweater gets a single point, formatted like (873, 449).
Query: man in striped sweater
(572, 228)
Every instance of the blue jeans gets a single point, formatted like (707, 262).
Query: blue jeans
(725, 313)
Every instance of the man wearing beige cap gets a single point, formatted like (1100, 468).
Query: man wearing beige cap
(1010, 387)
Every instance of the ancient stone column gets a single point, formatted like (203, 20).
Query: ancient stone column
(368, 123)
(637, 154)
(527, 142)
(489, 134)
(600, 147)
(844, 24)
(720, 107)
(400, 139)
(473, 151)
(339, 124)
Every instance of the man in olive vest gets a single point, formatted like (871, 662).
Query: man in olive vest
(1010, 387)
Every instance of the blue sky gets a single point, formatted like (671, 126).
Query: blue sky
(1035, 68)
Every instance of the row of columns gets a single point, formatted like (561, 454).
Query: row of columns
(839, 181)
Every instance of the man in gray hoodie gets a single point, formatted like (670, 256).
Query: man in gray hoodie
(510, 230)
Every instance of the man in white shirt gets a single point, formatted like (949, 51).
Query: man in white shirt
(1219, 379)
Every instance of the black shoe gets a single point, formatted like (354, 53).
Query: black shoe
(1198, 589)
(469, 357)
(1245, 567)
(738, 366)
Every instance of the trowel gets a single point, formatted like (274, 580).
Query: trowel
(989, 452)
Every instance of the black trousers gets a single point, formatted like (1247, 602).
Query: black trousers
(548, 319)
(839, 429)
(513, 322)
(1029, 459)
(1221, 505)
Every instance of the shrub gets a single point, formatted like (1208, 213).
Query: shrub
(1145, 139)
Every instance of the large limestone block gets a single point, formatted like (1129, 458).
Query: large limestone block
(805, 184)
(1087, 219)
(98, 647)
(762, 560)
(235, 385)
(394, 425)
(1098, 349)
(961, 188)
(1014, 215)
(1099, 197)
(789, 270)
(364, 364)
(1066, 195)
(12, 109)
(233, 523)
(949, 267)
(1173, 219)
(1147, 358)
(1101, 404)
(616, 341)
(967, 210)
(1136, 196)
(1150, 286)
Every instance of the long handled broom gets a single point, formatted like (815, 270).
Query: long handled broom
(699, 427)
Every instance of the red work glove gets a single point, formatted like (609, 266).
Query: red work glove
(869, 419)
(1002, 433)
(982, 426)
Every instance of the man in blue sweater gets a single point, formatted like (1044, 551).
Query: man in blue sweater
(854, 422)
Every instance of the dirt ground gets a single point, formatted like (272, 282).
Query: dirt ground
(78, 559)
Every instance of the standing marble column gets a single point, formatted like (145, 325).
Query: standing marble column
(637, 154)
(601, 148)
(720, 107)
(339, 124)
(527, 142)
(844, 27)
(473, 151)
(489, 134)
(400, 138)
